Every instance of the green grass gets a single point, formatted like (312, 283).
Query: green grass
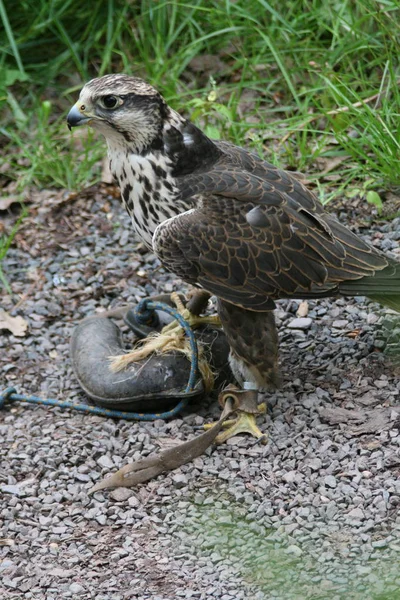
(309, 59)
(49, 156)
(288, 83)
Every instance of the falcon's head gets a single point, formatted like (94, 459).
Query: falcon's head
(126, 110)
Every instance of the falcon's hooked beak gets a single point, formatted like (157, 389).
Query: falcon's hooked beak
(76, 116)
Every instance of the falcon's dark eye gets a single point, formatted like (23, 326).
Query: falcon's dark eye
(109, 101)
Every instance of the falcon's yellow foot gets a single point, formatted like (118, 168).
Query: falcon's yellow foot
(245, 404)
(244, 423)
(194, 320)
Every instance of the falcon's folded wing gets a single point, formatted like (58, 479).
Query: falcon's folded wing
(249, 242)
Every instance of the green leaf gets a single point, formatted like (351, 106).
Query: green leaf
(353, 192)
(20, 117)
(213, 132)
(8, 77)
(375, 199)
(223, 110)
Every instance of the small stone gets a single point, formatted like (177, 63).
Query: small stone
(363, 569)
(105, 461)
(76, 588)
(379, 544)
(121, 494)
(300, 323)
(133, 501)
(82, 477)
(330, 481)
(62, 573)
(340, 323)
(290, 476)
(302, 311)
(356, 514)
(331, 510)
(304, 511)
(314, 463)
(372, 318)
(291, 527)
(101, 519)
(179, 480)
(395, 547)
(6, 564)
(293, 549)
(59, 530)
(11, 489)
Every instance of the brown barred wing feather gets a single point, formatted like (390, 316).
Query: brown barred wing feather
(250, 243)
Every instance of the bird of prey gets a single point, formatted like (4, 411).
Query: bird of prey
(224, 220)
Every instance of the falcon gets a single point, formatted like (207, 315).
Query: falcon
(226, 221)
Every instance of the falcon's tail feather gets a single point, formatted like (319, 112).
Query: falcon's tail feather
(382, 287)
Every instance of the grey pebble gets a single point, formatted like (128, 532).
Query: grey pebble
(11, 489)
(356, 513)
(340, 323)
(76, 588)
(105, 461)
(179, 480)
(379, 543)
(300, 323)
(330, 481)
(121, 494)
(293, 549)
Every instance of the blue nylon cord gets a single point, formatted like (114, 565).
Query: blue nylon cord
(143, 312)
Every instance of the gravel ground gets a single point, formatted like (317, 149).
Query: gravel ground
(314, 514)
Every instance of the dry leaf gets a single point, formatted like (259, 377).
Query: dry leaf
(17, 325)
(371, 444)
(6, 201)
(360, 422)
(329, 164)
(353, 334)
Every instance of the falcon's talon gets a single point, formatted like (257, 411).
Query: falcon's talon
(244, 423)
(193, 320)
(263, 439)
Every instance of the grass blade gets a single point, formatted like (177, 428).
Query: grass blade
(10, 36)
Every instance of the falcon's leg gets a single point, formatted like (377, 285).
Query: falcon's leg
(247, 408)
(253, 340)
